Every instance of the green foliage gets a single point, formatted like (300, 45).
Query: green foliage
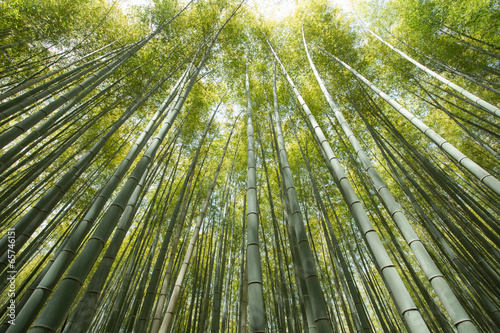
(454, 214)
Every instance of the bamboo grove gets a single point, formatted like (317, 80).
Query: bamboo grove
(203, 166)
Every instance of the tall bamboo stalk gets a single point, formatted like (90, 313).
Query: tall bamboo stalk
(485, 177)
(458, 315)
(256, 308)
(169, 314)
(407, 308)
(320, 314)
(485, 105)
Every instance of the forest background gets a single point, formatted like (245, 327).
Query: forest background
(208, 166)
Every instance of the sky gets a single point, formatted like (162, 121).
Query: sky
(282, 8)
(268, 8)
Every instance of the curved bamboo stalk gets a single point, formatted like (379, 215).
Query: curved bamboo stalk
(87, 307)
(256, 308)
(394, 283)
(42, 292)
(9, 156)
(42, 208)
(27, 84)
(74, 95)
(59, 81)
(487, 106)
(80, 90)
(30, 97)
(176, 292)
(284, 298)
(435, 103)
(320, 314)
(468, 76)
(70, 285)
(160, 304)
(457, 313)
(488, 272)
(359, 312)
(485, 177)
(488, 305)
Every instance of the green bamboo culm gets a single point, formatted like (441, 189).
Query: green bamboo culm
(406, 306)
(457, 313)
(169, 314)
(320, 315)
(482, 103)
(256, 308)
(485, 177)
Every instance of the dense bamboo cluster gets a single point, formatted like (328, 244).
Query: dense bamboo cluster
(198, 169)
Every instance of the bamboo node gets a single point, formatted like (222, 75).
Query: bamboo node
(488, 175)
(354, 202)
(22, 129)
(43, 327)
(461, 321)
(67, 250)
(387, 266)
(134, 178)
(74, 279)
(414, 240)
(117, 205)
(342, 178)
(396, 211)
(409, 309)
(312, 275)
(44, 288)
(98, 239)
(435, 276)
(367, 231)
(302, 241)
(253, 282)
